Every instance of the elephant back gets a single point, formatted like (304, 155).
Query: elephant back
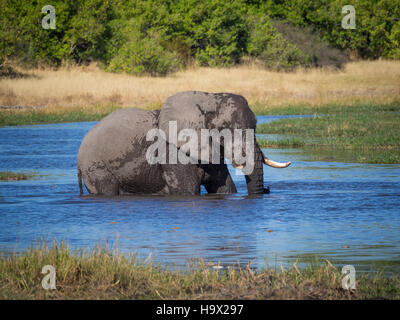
(119, 142)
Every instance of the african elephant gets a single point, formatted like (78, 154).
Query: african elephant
(112, 157)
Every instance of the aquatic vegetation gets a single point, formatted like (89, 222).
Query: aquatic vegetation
(371, 133)
(13, 176)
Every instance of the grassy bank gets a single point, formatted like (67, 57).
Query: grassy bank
(89, 94)
(14, 117)
(361, 101)
(105, 274)
(14, 176)
(370, 133)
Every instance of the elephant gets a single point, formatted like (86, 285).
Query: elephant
(112, 157)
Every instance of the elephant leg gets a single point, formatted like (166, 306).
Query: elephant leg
(181, 179)
(217, 179)
(98, 180)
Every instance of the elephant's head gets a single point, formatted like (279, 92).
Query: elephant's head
(200, 110)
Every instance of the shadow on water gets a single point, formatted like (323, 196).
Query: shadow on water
(341, 211)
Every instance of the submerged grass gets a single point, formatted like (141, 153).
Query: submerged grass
(106, 274)
(371, 133)
(14, 176)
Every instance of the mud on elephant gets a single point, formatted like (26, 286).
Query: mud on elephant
(112, 158)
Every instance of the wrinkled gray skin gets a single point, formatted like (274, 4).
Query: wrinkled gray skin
(112, 156)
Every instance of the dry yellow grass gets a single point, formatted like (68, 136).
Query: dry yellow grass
(358, 82)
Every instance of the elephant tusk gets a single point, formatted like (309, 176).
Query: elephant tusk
(275, 164)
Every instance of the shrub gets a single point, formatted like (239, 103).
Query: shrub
(144, 55)
(158, 36)
(376, 23)
(218, 30)
(311, 44)
(271, 48)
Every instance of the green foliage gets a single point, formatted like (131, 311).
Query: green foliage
(143, 54)
(377, 23)
(318, 51)
(160, 36)
(79, 35)
(219, 31)
(270, 47)
(88, 30)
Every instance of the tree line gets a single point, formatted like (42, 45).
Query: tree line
(157, 37)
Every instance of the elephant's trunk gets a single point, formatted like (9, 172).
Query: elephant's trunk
(255, 180)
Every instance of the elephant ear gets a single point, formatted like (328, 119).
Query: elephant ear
(191, 110)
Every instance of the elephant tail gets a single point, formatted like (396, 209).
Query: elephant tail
(80, 181)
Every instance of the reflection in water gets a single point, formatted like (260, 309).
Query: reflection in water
(345, 212)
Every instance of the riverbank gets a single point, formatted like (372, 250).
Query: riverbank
(89, 94)
(366, 133)
(106, 274)
(361, 102)
(44, 115)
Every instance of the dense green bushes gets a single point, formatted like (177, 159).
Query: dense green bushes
(80, 35)
(160, 36)
(142, 52)
(377, 32)
(271, 47)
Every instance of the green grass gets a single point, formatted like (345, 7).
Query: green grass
(370, 133)
(332, 108)
(106, 274)
(13, 176)
(17, 117)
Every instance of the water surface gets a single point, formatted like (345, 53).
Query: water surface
(345, 212)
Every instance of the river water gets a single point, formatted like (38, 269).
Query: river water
(347, 213)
